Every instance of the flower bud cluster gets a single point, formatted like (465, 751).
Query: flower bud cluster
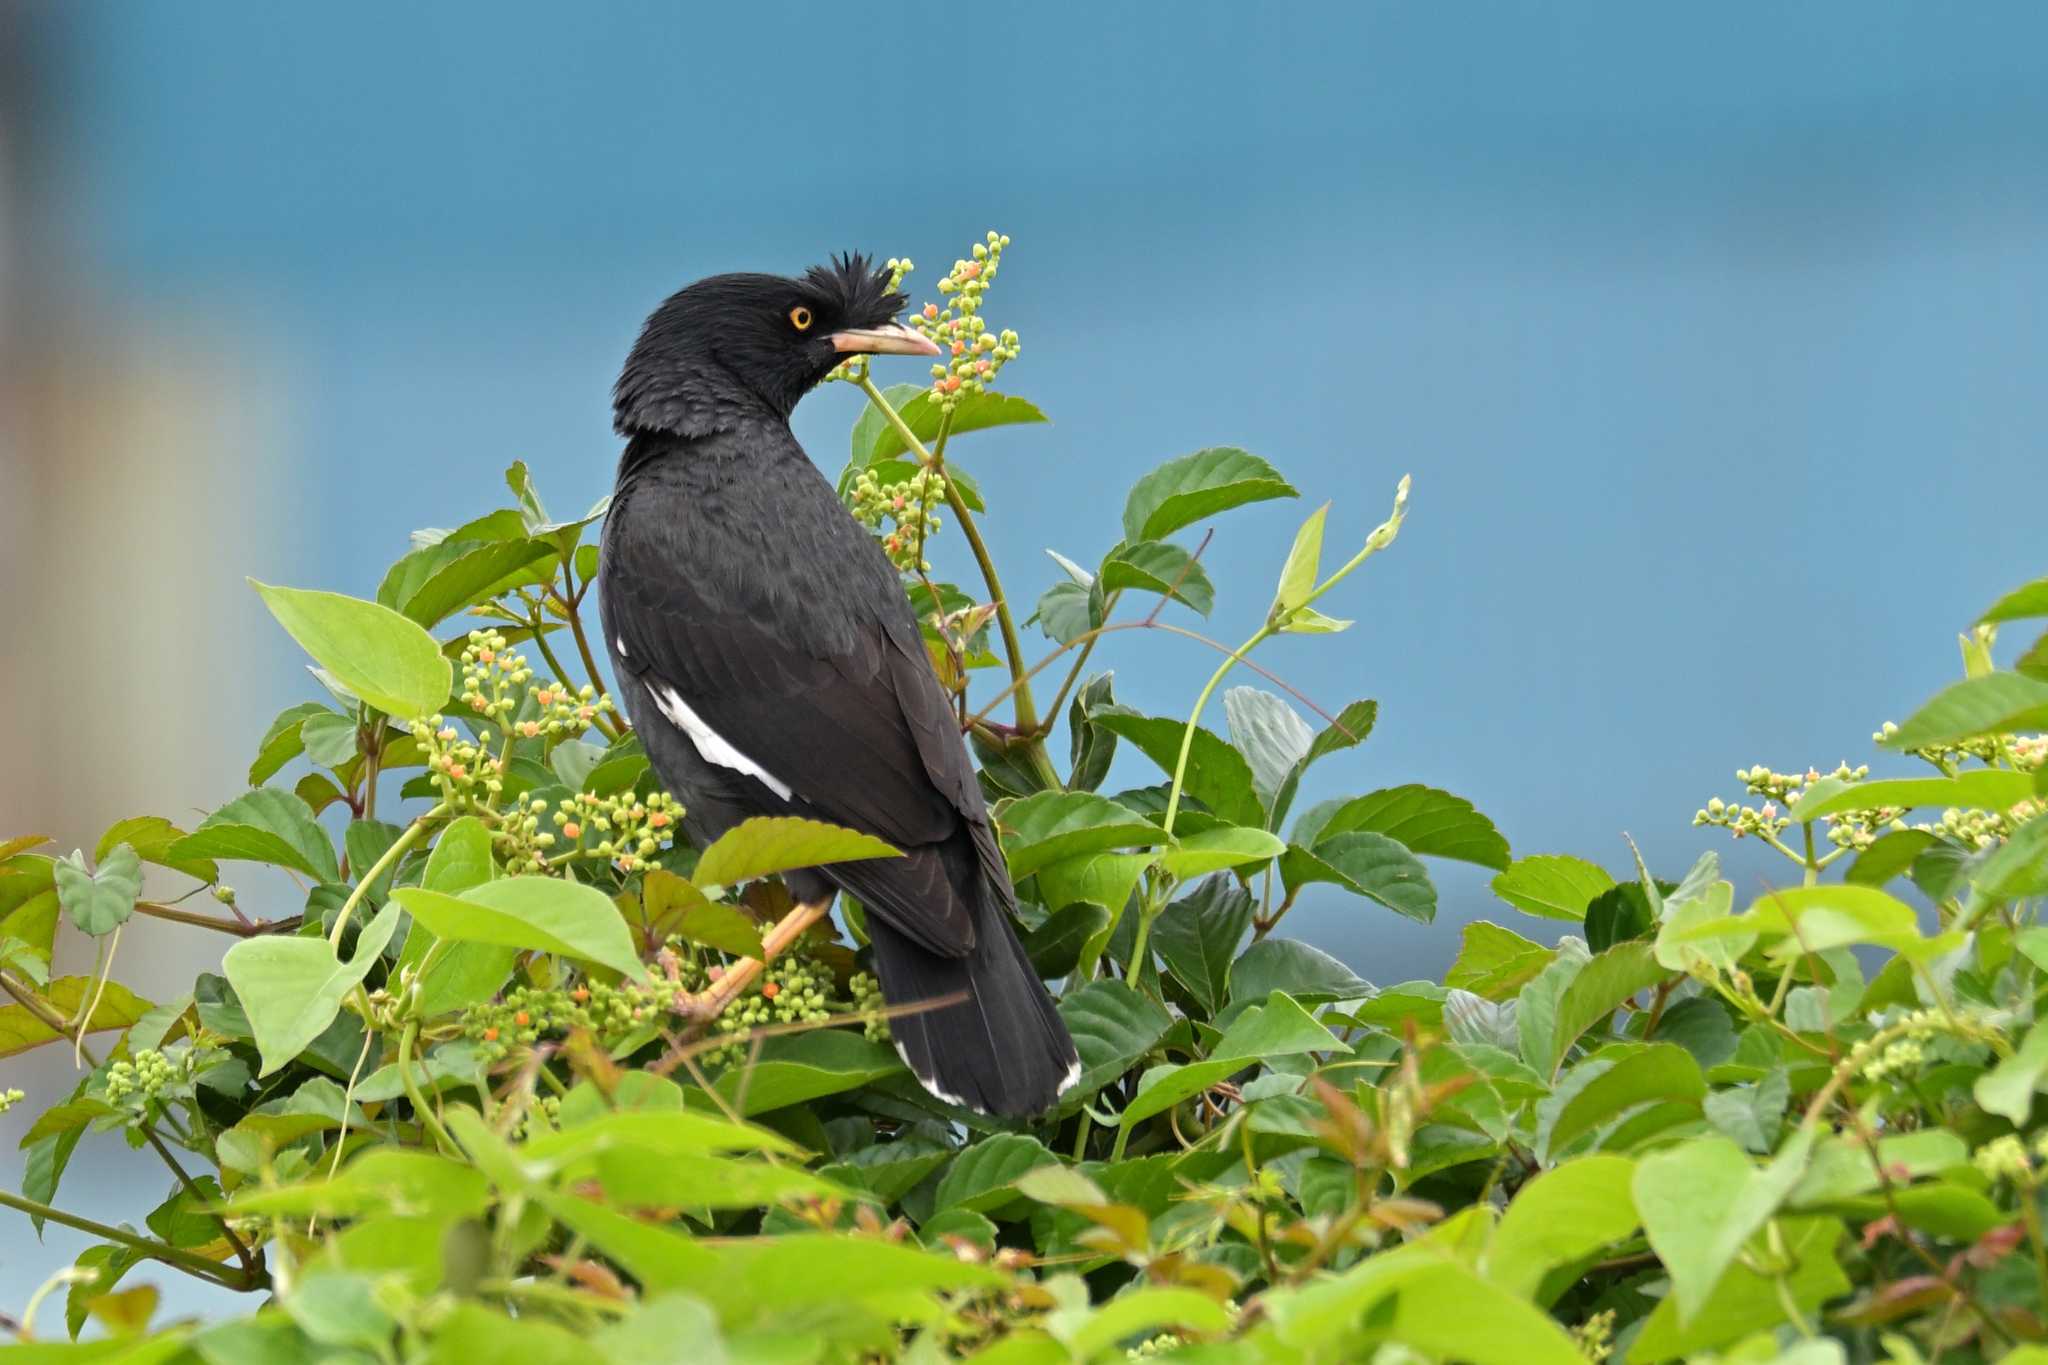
(1781, 790)
(910, 506)
(972, 353)
(1902, 1049)
(867, 1000)
(1742, 820)
(2004, 1158)
(793, 989)
(10, 1098)
(144, 1076)
(1947, 757)
(543, 1114)
(466, 772)
(625, 829)
(1970, 828)
(526, 1014)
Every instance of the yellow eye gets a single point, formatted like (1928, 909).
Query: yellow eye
(800, 318)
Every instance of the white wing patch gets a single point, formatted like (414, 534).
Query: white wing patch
(712, 747)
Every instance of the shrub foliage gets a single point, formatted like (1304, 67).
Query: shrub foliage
(483, 1092)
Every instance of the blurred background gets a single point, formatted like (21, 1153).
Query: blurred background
(1713, 338)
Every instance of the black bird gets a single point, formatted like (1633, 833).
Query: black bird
(772, 664)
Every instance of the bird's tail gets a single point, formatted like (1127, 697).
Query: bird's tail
(1002, 1050)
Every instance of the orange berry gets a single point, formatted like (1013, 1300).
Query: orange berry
(457, 771)
(771, 990)
(580, 994)
(521, 1019)
(491, 1035)
(572, 830)
(931, 310)
(958, 348)
(658, 820)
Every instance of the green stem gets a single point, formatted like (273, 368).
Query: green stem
(428, 1118)
(200, 921)
(390, 858)
(1187, 736)
(189, 1262)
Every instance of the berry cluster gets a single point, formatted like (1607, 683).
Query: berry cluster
(911, 505)
(525, 1015)
(855, 368)
(2005, 1158)
(10, 1098)
(867, 1001)
(973, 353)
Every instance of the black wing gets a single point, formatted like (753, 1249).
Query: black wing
(779, 624)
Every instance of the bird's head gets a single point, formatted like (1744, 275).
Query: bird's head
(729, 337)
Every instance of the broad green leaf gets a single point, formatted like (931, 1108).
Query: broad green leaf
(118, 1007)
(1304, 973)
(328, 739)
(1702, 1200)
(1536, 1007)
(889, 1170)
(1217, 775)
(1299, 574)
(877, 439)
(292, 988)
(461, 974)
(1139, 1312)
(1495, 962)
(1682, 936)
(1112, 1026)
(545, 914)
(1662, 1072)
(1365, 864)
(2008, 1088)
(435, 581)
(381, 1178)
(468, 1332)
(1196, 938)
(777, 843)
(1054, 947)
(1161, 567)
(1213, 850)
(1309, 621)
(1551, 885)
(1194, 487)
(461, 858)
(1561, 1217)
(282, 743)
(1992, 704)
(519, 479)
(1891, 855)
(798, 1068)
(1050, 827)
(2030, 599)
(1425, 820)
(984, 1176)
(716, 925)
(2013, 870)
(376, 653)
(1272, 738)
(1065, 612)
(1597, 990)
(152, 837)
(1278, 1028)
(1745, 1301)
(1986, 788)
(1842, 1168)
(100, 901)
(265, 826)
(1834, 916)
(1090, 747)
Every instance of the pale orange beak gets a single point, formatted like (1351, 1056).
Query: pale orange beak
(891, 338)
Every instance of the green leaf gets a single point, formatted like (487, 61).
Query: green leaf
(1090, 747)
(1053, 826)
(1993, 704)
(1299, 574)
(1158, 566)
(2030, 599)
(1217, 775)
(1309, 621)
(328, 739)
(461, 858)
(1141, 1312)
(875, 438)
(1213, 850)
(152, 837)
(983, 1178)
(435, 581)
(1551, 885)
(538, 913)
(376, 653)
(1348, 730)
(1273, 739)
(776, 843)
(281, 743)
(1596, 991)
(1745, 1301)
(1112, 1027)
(1065, 612)
(1425, 820)
(1365, 864)
(1702, 1200)
(1194, 487)
(100, 901)
(2007, 1090)
(1561, 1217)
(1302, 972)
(1661, 1072)
(719, 926)
(118, 1007)
(1892, 854)
(799, 1068)
(1984, 788)
(1054, 947)
(292, 988)
(461, 974)
(265, 826)
(1278, 1028)
(1495, 962)
(1196, 938)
